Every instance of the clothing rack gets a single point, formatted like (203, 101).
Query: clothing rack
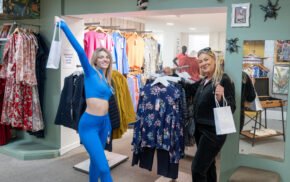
(25, 24)
(127, 29)
(103, 26)
(145, 31)
(92, 23)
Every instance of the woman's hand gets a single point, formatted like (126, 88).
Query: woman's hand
(58, 20)
(219, 92)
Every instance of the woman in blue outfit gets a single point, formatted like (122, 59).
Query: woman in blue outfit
(94, 126)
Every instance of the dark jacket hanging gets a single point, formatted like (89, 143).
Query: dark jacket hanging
(72, 102)
(40, 71)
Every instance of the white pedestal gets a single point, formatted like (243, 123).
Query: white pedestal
(182, 177)
(114, 159)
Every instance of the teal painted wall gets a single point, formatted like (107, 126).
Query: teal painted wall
(49, 9)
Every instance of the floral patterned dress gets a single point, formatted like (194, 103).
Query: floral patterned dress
(159, 121)
(21, 107)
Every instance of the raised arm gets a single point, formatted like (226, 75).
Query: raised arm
(78, 48)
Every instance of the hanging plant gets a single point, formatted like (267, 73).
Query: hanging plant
(232, 45)
(142, 4)
(270, 9)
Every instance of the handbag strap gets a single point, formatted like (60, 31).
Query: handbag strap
(225, 103)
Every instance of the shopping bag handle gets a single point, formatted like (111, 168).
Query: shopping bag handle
(56, 28)
(225, 103)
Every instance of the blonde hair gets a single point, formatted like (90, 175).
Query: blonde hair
(218, 71)
(94, 60)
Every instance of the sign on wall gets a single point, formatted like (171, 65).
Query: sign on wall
(21, 9)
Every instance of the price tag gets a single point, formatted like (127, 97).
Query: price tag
(157, 104)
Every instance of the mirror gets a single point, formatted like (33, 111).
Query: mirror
(266, 69)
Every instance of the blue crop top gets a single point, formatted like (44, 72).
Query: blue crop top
(95, 87)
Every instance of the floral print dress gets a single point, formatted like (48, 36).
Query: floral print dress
(159, 121)
(21, 107)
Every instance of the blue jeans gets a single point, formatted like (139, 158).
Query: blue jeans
(94, 132)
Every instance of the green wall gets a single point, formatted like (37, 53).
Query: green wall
(258, 30)
(49, 9)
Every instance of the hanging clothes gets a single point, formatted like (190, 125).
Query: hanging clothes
(135, 51)
(72, 104)
(150, 56)
(127, 114)
(159, 125)
(41, 61)
(5, 133)
(21, 107)
(119, 54)
(134, 85)
(94, 40)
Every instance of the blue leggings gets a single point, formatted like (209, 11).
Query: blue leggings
(94, 131)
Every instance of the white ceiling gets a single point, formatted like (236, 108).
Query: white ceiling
(203, 23)
(204, 20)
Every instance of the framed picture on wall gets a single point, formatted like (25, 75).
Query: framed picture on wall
(281, 79)
(240, 15)
(16, 9)
(282, 52)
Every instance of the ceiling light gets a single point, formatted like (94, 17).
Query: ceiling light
(192, 28)
(169, 24)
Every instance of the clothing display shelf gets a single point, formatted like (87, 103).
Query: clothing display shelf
(252, 58)
(267, 102)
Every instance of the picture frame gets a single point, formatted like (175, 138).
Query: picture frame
(281, 79)
(15, 9)
(5, 30)
(282, 52)
(240, 15)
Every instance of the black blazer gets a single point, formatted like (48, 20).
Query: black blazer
(72, 102)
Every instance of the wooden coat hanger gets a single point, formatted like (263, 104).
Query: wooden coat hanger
(100, 29)
(90, 28)
(16, 30)
(118, 31)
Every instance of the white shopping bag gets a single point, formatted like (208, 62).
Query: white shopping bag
(223, 118)
(55, 50)
(256, 105)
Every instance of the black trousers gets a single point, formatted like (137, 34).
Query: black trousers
(208, 146)
(164, 167)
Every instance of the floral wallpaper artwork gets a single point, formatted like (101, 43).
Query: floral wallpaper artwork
(21, 9)
(281, 79)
